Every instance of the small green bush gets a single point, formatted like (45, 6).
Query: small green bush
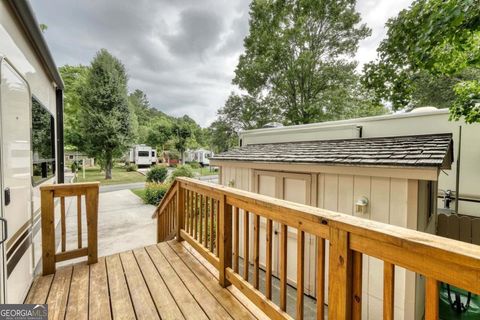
(154, 193)
(194, 164)
(131, 167)
(182, 171)
(157, 174)
(73, 167)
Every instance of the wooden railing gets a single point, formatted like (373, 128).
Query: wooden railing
(208, 218)
(89, 192)
(166, 214)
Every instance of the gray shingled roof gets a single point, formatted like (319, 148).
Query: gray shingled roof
(433, 150)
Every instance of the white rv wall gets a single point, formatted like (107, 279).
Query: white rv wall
(15, 46)
(393, 125)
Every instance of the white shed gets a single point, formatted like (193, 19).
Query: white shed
(387, 179)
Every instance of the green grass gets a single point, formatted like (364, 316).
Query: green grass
(205, 171)
(119, 176)
(139, 193)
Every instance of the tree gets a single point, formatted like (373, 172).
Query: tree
(105, 120)
(183, 130)
(296, 55)
(160, 132)
(437, 41)
(75, 78)
(244, 112)
(222, 136)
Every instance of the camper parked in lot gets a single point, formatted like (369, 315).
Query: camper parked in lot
(201, 156)
(142, 155)
(31, 109)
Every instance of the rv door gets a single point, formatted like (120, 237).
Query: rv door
(16, 185)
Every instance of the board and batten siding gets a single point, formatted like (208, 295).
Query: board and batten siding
(389, 203)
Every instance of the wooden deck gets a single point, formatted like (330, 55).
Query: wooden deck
(168, 281)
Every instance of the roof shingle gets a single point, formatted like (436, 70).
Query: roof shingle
(434, 150)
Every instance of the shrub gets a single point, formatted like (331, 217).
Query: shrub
(194, 164)
(154, 193)
(182, 171)
(73, 167)
(131, 167)
(157, 174)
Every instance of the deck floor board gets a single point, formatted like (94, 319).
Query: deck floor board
(163, 281)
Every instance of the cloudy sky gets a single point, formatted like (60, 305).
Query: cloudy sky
(182, 53)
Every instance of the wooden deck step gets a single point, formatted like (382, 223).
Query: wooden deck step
(163, 281)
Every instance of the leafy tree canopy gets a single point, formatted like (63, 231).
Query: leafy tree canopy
(104, 117)
(296, 55)
(434, 44)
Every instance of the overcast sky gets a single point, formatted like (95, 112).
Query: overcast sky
(181, 53)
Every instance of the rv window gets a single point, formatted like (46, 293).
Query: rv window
(143, 153)
(153, 153)
(43, 143)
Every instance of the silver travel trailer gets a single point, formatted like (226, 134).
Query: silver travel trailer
(201, 156)
(465, 172)
(31, 148)
(142, 155)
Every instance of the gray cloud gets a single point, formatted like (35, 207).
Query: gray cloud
(182, 53)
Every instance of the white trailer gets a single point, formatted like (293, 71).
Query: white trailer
(31, 143)
(142, 155)
(202, 156)
(462, 179)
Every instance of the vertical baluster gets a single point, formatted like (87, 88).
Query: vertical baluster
(268, 260)
(225, 232)
(300, 272)
(180, 211)
(320, 278)
(187, 211)
(217, 234)
(246, 245)
(205, 222)
(256, 249)
(79, 221)
(211, 225)
(283, 266)
(200, 219)
(357, 286)
(63, 224)
(192, 196)
(431, 299)
(388, 290)
(236, 246)
(195, 216)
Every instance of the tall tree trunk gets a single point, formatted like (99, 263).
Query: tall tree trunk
(108, 166)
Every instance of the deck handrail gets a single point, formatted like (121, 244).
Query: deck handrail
(208, 219)
(48, 193)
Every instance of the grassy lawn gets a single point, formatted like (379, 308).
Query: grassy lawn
(205, 171)
(139, 192)
(119, 176)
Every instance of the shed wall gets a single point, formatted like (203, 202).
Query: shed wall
(391, 200)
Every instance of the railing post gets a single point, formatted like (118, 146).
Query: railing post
(91, 198)
(225, 236)
(180, 211)
(340, 275)
(48, 232)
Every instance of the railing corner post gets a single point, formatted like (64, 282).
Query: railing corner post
(340, 275)
(225, 236)
(91, 199)
(180, 211)
(48, 232)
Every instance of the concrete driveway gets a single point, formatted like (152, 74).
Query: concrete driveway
(124, 223)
